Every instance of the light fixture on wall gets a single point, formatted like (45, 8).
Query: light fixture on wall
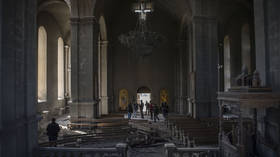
(141, 40)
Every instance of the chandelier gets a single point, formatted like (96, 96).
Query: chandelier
(141, 40)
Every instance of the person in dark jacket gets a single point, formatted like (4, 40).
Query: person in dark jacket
(52, 131)
(156, 112)
(135, 109)
(141, 109)
(130, 110)
(164, 108)
(151, 110)
(147, 107)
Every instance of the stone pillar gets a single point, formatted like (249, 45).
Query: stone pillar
(177, 83)
(84, 74)
(18, 122)
(103, 77)
(191, 73)
(1, 112)
(67, 67)
(181, 76)
(260, 41)
(205, 51)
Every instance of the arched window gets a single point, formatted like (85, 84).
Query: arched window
(246, 47)
(60, 68)
(42, 64)
(227, 75)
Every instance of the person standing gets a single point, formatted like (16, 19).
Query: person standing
(135, 110)
(147, 107)
(151, 109)
(156, 112)
(130, 110)
(164, 108)
(52, 131)
(141, 109)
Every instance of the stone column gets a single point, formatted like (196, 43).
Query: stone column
(177, 82)
(84, 74)
(1, 112)
(191, 78)
(18, 122)
(205, 50)
(67, 69)
(103, 77)
(181, 75)
(260, 40)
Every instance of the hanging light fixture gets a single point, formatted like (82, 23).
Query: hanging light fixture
(141, 40)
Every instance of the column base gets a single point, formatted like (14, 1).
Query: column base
(85, 110)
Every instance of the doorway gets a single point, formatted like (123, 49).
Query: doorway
(144, 94)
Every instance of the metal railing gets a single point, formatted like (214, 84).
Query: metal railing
(119, 151)
(172, 151)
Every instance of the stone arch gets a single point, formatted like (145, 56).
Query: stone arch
(144, 89)
(246, 47)
(227, 64)
(60, 68)
(42, 65)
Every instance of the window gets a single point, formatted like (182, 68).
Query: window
(60, 68)
(42, 64)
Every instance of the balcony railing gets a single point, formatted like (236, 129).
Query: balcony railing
(119, 151)
(172, 151)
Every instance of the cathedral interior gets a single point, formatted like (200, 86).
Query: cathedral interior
(215, 63)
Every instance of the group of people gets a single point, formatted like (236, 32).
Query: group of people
(152, 109)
